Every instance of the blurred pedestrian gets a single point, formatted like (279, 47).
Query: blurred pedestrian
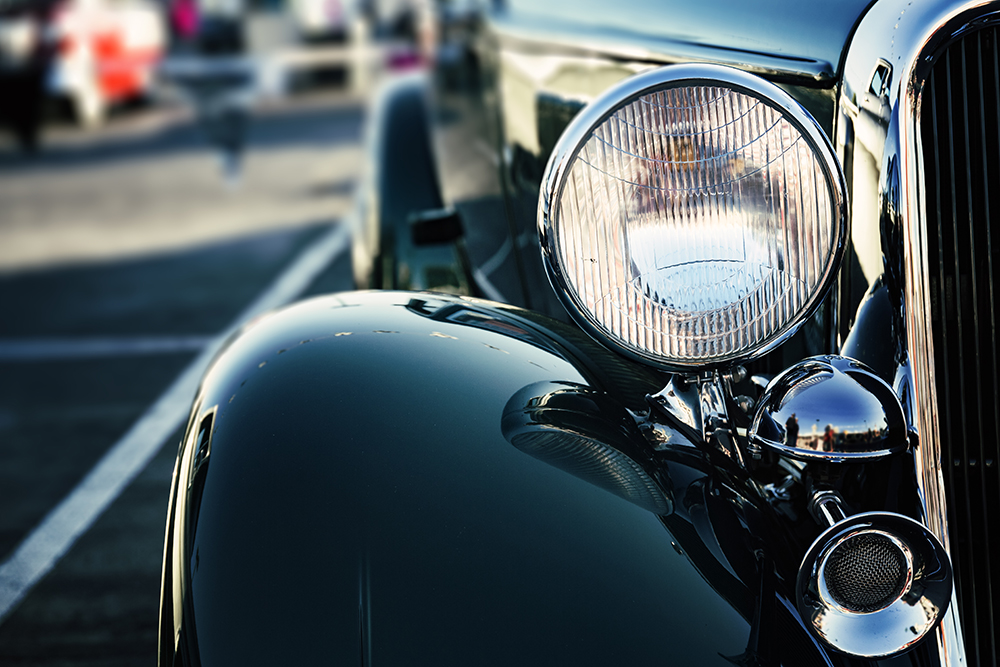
(26, 53)
(224, 118)
(222, 95)
(220, 28)
(184, 24)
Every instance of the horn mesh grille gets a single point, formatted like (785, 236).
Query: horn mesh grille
(866, 573)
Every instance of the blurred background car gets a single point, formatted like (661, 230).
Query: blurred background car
(325, 20)
(106, 53)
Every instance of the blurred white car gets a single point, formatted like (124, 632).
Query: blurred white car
(324, 20)
(107, 53)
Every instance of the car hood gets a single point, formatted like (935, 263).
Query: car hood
(808, 38)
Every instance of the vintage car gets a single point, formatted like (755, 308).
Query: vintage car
(752, 421)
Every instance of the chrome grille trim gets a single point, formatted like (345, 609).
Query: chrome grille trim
(880, 126)
(919, 235)
(961, 103)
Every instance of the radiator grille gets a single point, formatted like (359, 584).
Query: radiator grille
(960, 122)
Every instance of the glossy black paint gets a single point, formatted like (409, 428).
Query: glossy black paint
(809, 38)
(391, 249)
(346, 494)
(874, 337)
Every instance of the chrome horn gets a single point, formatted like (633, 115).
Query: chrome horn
(874, 584)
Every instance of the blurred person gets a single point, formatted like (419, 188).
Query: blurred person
(224, 118)
(220, 27)
(319, 21)
(183, 23)
(414, 26)
(426, 29)
(27, 48)
(213, 71)
(222, 95)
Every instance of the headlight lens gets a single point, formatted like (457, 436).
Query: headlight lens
(693, 216)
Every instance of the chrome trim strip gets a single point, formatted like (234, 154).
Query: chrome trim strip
(667, 51)
(905, 35)
(919, 339)
(918, 298)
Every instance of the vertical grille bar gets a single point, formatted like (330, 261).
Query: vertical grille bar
(960, 136)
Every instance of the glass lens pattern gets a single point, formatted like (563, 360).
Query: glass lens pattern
(695, 225)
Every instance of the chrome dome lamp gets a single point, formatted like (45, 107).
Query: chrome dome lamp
(830, 408)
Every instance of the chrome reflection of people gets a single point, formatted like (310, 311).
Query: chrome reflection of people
(791, 431)
(829, 438)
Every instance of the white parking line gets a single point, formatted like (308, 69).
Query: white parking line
(494, 262)
(53, 537)
(58, 349)
(489, 289)
(482, 273)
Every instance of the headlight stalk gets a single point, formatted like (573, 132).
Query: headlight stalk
(698, 404)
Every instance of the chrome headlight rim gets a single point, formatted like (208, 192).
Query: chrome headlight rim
(579, 131)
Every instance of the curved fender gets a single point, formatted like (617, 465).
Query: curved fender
(401, 186)
(345, 494)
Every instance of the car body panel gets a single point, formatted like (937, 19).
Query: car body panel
(400, 183)
(773, 35)
(354, 499)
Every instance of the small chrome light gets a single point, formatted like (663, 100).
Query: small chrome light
(830, 408)
(874, 584)
(693, 215)
(589, 435)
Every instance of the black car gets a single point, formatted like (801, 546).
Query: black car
(753, 420)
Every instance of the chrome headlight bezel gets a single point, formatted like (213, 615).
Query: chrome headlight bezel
(580, 131)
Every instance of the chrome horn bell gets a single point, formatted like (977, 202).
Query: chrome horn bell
(874, 584)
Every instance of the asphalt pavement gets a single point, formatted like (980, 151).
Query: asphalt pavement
(124, 252)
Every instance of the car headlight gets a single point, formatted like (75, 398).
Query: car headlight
(693, 216)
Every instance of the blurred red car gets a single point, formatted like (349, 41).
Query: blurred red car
(107, 52)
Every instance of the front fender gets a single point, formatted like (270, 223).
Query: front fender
(346, 494)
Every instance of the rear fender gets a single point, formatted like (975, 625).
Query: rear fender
(399, 192)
